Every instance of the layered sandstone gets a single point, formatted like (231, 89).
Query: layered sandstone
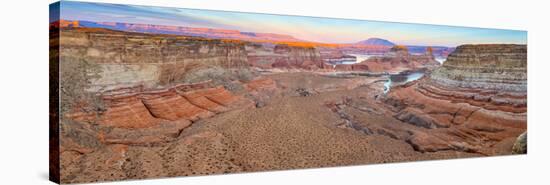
(399, 59)
(476, 101)
(129, 59)
(138, 120)
(152, 126)
(144, 116)
(284, 56)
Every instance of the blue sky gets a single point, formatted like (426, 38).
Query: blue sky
(326, 30)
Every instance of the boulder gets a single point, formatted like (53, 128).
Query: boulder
(520, 146)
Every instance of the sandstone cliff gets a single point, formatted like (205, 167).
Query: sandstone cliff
(128, 59)
(399, 59)
(284, 56)
(477, 101)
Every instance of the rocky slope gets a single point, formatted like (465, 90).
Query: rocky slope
(125, 59)
(128, 59)
(284, 57)
(140, 116)
(399, 59)
(477, 101)
(253, 138)
(96, 142)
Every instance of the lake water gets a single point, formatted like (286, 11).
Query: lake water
(363, 57)
(440, 59)
(401, 78)
(359, 58)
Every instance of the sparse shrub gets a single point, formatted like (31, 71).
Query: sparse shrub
(231, 79)
(213, 73)
(459, 77)
(75, 76)
(245, 75)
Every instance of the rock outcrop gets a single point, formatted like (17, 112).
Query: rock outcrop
(126, 59)
(476, 101)
(153, 105)
(129, 59)
(520, 146)
(139, 116)
(284, 57)
(137, 120)
(399, 59)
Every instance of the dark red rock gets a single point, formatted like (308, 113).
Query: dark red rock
(474, 101)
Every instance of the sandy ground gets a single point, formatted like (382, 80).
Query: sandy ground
(294, 131)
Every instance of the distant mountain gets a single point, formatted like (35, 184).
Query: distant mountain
(376, 42)
(185, 31)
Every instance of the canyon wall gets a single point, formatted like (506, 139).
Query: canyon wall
(125, 59)
(476, 101)
(128, 59)
(284, 56)
(489, 67)
(399, 59)
(491, 76)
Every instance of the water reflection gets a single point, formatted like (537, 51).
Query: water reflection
(401, 78)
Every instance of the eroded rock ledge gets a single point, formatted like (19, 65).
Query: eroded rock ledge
(477, 101)
(138, 120)
(399, 59)
(138, 116)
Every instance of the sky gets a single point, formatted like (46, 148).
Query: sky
(325, 30)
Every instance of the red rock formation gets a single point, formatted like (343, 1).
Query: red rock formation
(136, 116)
(218, 95)
(285, 57)
(261, 90)
(399, 59)
(261, 84)
(200, 100)
(64, 24)
(347, 67)
(476, 101)
(171, 106)
(123, 111)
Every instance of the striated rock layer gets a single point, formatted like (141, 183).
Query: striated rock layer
(124, 139)
(138, 116)
(284, 56)
(491, 76)
(125, 59)
(477, 101)
(129, 59)
(151, 125)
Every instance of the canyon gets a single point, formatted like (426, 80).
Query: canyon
(477, 101)
(371, 45)
(148, 105)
